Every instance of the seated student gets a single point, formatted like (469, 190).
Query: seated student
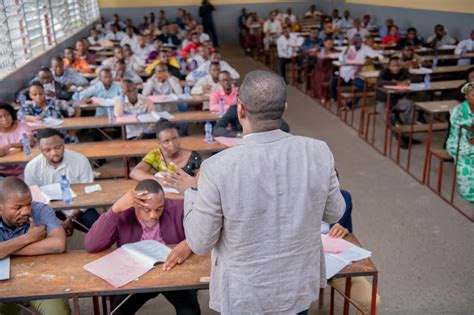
(203, 37)
(11, 134)
(227, 93)
(53, 88)
(464, 47)
(271, 30)
(145, 25)
(95, 38)
(142, 49)
(106, 88)
(384, 29)
(168, 156)
(120, 73)
(82, 52)
(408, 58)
(463, 115)
(411, 39)
(361, 289)
(158, 46)
(116, 21)
(38, 108)
(71, 61)
(162, 20)
(171, 63)
(366, 22)
(289, 15)
(312, 41)
(394, 74)
(54, 162)
(329, 31)
(145, 214)
(130, 38)
(166, 37)
(102, 27)
(114, 35)
(336, 19)
(132, 62)
(254, 36)
(134, 104)
(440, 38)
(201, 56)
(392, 37)
(110, 62)
(323, 70)
(66, 76)
(163, 83)
(358, 29)
(229, 124)
(312, 12)
(346, 21)
(215, 57)
(210, 82)
(192, 47)
(29, 228)
(357, 53)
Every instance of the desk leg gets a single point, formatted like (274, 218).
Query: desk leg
(105, 310)
(428, 147)
(331, 302)
(373, 305)
(387, 124)
(95, 303)
(411, 140)
(362, 110)
(75, 303)
(124, 133)
(338, 96)
(348, 295)
(126, 167)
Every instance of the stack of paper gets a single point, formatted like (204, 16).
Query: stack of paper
(163, 98)
(106, 102)
(5, 268)
(421, 70)
(48, 193)
(339, 253)
(47, 122)
(154, 117)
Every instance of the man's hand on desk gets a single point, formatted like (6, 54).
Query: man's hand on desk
(177, 256)
(338, 231)
(68, 227)
(36, 233)
(179, 180)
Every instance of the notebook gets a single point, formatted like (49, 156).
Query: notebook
(334, 245)
(5, 268)
(154, 117)
(48, 193)
(102, 101)
(163, 98)
(47, 122)
(129, 262)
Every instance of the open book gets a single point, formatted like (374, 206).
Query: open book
(47, 122)
(48, 193)
(103, 101)
(163, 98)
(5, 268)
(228, 141)
(129, 262)
(154, 117)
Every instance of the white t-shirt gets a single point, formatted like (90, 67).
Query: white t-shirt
(75, 166)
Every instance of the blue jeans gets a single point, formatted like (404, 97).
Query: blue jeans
(359, 86)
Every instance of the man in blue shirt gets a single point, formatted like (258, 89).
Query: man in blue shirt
(29, 228)
(105, 88)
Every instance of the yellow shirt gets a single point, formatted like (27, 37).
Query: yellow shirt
(152, 66)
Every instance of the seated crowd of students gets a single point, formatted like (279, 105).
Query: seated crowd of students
(165, 53)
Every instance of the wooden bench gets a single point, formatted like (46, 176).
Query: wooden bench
(442, 156)
(345, 96)
(419, 128)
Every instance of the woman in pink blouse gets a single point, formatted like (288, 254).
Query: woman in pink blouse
(11, 132)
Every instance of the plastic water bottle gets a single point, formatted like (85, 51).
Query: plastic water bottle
(110, 114)
(221, 107)
(427, 81)
(76, 99)
(321, 51)
(123, 100)
(208, 132)
(25, 141)
(195, 77)
(187, 90)
(435, 62)
(66, 190)
(21, 111)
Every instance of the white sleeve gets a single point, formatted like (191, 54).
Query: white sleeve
(30, 174)
(176, 85)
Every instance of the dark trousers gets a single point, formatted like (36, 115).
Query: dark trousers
(303, 313)
(359, 86)
(185, 302)
(86, 218)
(211, 31)
(283, 62)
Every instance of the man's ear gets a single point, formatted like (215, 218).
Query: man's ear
(241, 113)
(286, 108)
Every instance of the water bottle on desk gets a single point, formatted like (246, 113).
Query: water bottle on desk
(221, 107)
(187, 90)
(76, 99)
(208, 132)
(110, 114)
(21, 111)
(66, 190)
(25, 141)
(123, 100)
(434, 64)
(427, 81)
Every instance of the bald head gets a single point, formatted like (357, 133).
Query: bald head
(11, 185)
(263, 95)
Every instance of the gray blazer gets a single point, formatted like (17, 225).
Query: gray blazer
(259, 207)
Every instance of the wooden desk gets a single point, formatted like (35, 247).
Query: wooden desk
(118, 149)
(193, 101)
(111, 191)
(367, 75)
(435, 86)
(102, 121)
(63, 276)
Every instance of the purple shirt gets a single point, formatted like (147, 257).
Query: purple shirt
(123, 228)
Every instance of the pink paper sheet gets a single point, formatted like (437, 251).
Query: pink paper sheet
(334, 245)
(229, 142)
(126, 119)
(117, 268)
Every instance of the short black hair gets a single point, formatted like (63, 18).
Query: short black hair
(69, 48)
(57, 59)
(48, 133)
(393, 58)
(12, 184)
(410, 29)
(149, 185)
(9, 109)
(44, 69)
(35, 83)
(164, 124)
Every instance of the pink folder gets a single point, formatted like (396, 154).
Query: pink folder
(334, 245)
(126, 119)
(229, 142)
